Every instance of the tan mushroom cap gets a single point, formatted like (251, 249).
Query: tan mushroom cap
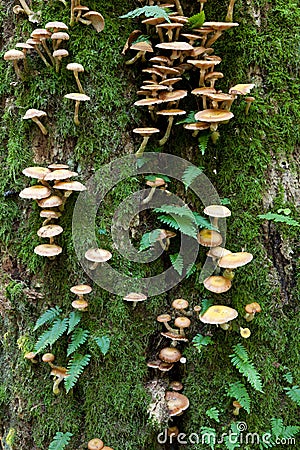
(171, 112)
(245, 332)
(146, 131)
(241, 89)
(81, 289)
(56, 166)
(24, 45)
(160, 60)
(96, 19)
(135, 297)
(174, 336)
(98, 255)
(142, 47)
(80, 304)
(214, 115)
(180, 304)
(203, 91)
(148, 102)
(60, 372)
(169, 26)
(217, 284)
(162, 318)
(253, 308)
(156, 183)
(202, 64)
(217, 211)
(197, 126)
(36, 172)
(60, 174)
(49, 231)
(167, 70)
(50, 214)
(40, 34)
(183, 46)
(153, 20)
(170, 355)
(60, 36)
(218, 314)
(13, 55)
(209, 238)
(182, 322)
(236, 404)
(60, 53)
(176, 385)
(70, 186)
(29, 355)
(48, 357)
(170, 81)
(166, 234)
(35, 192)
(77, 97)
(165, 367)
(191, 36)
(221, 97)
(48, 250)
(95, 444)
(220, 25)
(217, 252)
(234, 260)
(173, 95)
(107, 448)
(81, 8)
(56, 26)
(176, 403)
(32, 113)
(75, 67)
(50, 202)
(154, 87)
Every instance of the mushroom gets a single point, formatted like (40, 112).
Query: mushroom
(237, 406)
(217, 284)
(196, 127)
(248, 101)
(204, 91)
(214, 117)
(96, 19)
(34, 115)
(97, 256)
(59, 373)
(60, 174)
(251, 309)
(135, 297)
(36, 172)
(170, 355)
(170, 113)
(48, 358)
(146, 133)
(218, 28)
(157, 182)
(165, 318)
(35, 192)
(176, 403)
(165, 235)
(78, 98)
(233, 261)
(76, 68)
(80, 290)
(182, 323)
(49, 215)
(15, 56)
(35, 43)
(41, 34)
(142, 48)
(58, 37)
(50, 231)
(216, 212)
(176, 386)
(204, 66)
(172, 32)
(58, 55)
(209, 238)
(50, 202)
(95, 444)
(30, 356)
(176, 47)
(245, 332)
(180, 306)
(48, 250)
(218, 314)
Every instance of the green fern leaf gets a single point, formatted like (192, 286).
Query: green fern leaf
(190, 270)
(47, 316)
(294, 394)
(142, 38)
(208, 436)
(279, 218)
(177, 263)
(182, 211)
(190, 118)
(203, 142)
(241, 352)
(213, 413)
(60, 441)
(288, 377)
(241, 361)
(149, 239)
(178, 217)
(74, 319)
(190, 174)
(148, 11)
(205, 304)
(75, 369)
(197, 20)
(49, 337)
(200, 341)
(239, 392)
(228, 442)
(79, 337)
(202, 222)
(103, 343)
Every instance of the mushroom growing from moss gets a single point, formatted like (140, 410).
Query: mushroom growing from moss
(248, 101)
(146, 133)
(217, 212)
(237, 406)
(48, 250)
(245, 332)
(209, 238)
(154, 184)
(36, 192)
(15, 56)
(135, 297)
(165, 319)
(251, 309)
(180, 305)
(76, 68)
(80, 290)
(58, 55)
(233, 261)
(182, 323)
(170, 355)
(77, 97)
(218, 314)
(176, 403)
(95, 444)
(50, 231)
(31, 357)
(96, 19)
(171, 114)
(59, 374)
(34, 115)
(97, 256)
(217, 284)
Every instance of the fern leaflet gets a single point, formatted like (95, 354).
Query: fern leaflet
(199, 341)
(294, 394)
(288, 377)
(205, 304)
(197, 20)
(239, 392)
(78, 338)
(202, 222)
(213, 413)
(190, 174)
(75, 369)
(190, 270)
(148, 11)
(208, 436)
(149, 239)
(47, 316)
(74, 319)
(177, 263)
(241, 352)
(279, 218)
(49, 337)
(103, 343)
(203, 142)
(241, 361)
(179, 217)
(228, 439)
(60, 441)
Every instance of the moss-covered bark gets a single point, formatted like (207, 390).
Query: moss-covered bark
(255, 164)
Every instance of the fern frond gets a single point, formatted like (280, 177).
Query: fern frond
(279, 218)
(47, 316)
(190, 174)
(149, 239)
(49, 337)
(60, 441)
(239, 392)
(190, 118)
(294, 394)
(79, 337)
(197, 20)
(241, 361)
(103, 343)
(288, 377)
(203, 142)
(182, 211)
(177, 263)
(74, 319)
(228, 441)
(148, 11)
(202, 222)
(75, 369)
(205, 304)
(200, 341)
(213, 413)
(190, 270)
(180, 218)
(241, 352)
(209, 436)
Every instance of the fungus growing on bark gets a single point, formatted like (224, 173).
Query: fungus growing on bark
(60, 174)
(214, 117)
(36, 172)
(50, 202)
(209, 238)
(96, 19)
(80, 290)
(35, 192)
(15, 56)
(233, 261)
(34, 115)
(180, 305)
(48, 250)
(169, 355)
(219, 28)
(48, 358)
(59, 374)
(135, 297)
(31, 357)
(182, 323)
(248, 101)
(217, 212)
(76, 68)
(251, 309)
(77, 97)
(50, 231)
(141, 48)
(97, 256)
(146, 133)
(176, 403)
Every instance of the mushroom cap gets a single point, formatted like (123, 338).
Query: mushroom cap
(69, 186)
(75, 67)
(163, 318)
(191, 36)
(241, 89)
(107, 448)
(220, 25)
(61, 52)
(50, 202)
(81, 289)
(215, 76)
(203, 91)
(160, 59)
(167, 70)
(166, 234)
(147, 131)
(142, 47)
(156, 183)
(176, 385)
(165, 367)
(48, 250)
(95, 444)
(50, 214)
(217, 211)
(217, 252)
(13, 55)
(60, 372)
(184, 46)
(169, 26)
(249, 99)
(197, 126)
(77, 97)
(245, 332)
(60, 174)
(36, 172)
(32, 113)
(236, 404)
(24, 45)
(60, 36)
(217, 284)
(56, 166)
(80, 304)
(40, 34)
(135, 297)
(221, 97)
(48, 357)
(170, 81)
(176, 403)
(97, 20)
(209, 238)
(202, 64)
(35, 192)
(214, 115)
(173, 95)
(234, 260)
(253, 308)
(171, 112)
(154, 364)
(200, 51)
(170, 355)
(49, 231)
(154, 87)
(174, 336)
(29, 355)
(182, 322)
(180, 304)
(218, 314)
(98, 255)
(153, 20)
(148, 102)
(173, 431)
(56, 26)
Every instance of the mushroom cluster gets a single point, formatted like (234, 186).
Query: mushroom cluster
(82, 14)
(53, 188)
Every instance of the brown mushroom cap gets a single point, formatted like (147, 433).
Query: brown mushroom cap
(197, 126)
(236, 404)
(13, 55)
(30, 355)
(147, 131)
(176, 386)
(60, 36)
(40, 34)
(217, 284)
(98, 255)
(182, 322)
(48, 250)
(218, 314)
(50, 214)
(50, 202)
(209, 238)
(77, 97)
(148, 102)
(253, 308)
(75, 67)
(96, 19)
(169, 355)
(70, 186)
(156, 183)
(24, 46)
(184, 46)
(217, 210)
(49, 231)
(35, 192)
(55, 26)
(180, 304)
(56, 166)
(142, 47)
(241, 89)
(60, 53)
(48, 357)
(214, 115)
(173, 95)
(234, 260)
(176, 403)
(81, 289)
(171, 112)
(36, 172)
(80, 304)
(32, 113)
(174, 336)
(220, 25)
(60, 174)
(162, 318)
(135, 297)
(203, 91)
(95, 444)
(165, 367)
(217, 252)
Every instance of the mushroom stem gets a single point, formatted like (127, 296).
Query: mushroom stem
(142, 147)
(178, 7)
(78, 83)
(213, 38)
(249, 316)
(57, 381)
(72, 18)
(17, 70)
(84, 21)
(26, 8)
(51, 240)
(46, 48)
(202, 77)
(181, 331)
(42, 56)
(215, 136)
(76, 120)
(229, 16)
(236, 410)
(169, 328)
(225, 326)
(160, 34)
(168, 131)
(135, 58)
(40, 125)
(149, 196)
(228, 273)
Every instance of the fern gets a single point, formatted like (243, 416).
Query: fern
(228, 439)
(190, 174)
(149, 239)
(278, 430)
(200, 341)
(177, 263)
(75, 369)
(78, 338)
(213, 413)
(202, 222)
(74, 319)
(294, 394)
(203, 142)
(103, 343)
(288, 377)
(180, 218)
(197, 20)
(241, 361)
(60, 441)
(49, 337)
(239, 392)
(190, 118)
(208, 436)
(205, 304)
(47, 316)
(148, 11)
(190, 270)
(279, 218)
(142, 38)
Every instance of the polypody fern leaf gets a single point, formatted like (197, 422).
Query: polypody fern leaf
(239, 392)
(60, 441)
(279, 218)
(148, 11)
(47, 317)
(242, 362)
(78, 338)
(213, 413)
(74, 319)
(103, 343)
(177, 263)
(49, 337)
(75, 369)
(190, 174)
(294, 394)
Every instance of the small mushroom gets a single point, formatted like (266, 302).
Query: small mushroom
(97, 256)
(76, 68)
(182, 323)
(251, 309)
(36, 192)
(233, 261)
(142, 48)
(15, 56)
(77, 97)
(135, 297)
(34, 115)
(176, 403)
(58, 55)
(165, 319)
(50, 231)
(217, 284)
(209, 238)
(157, 182)
(59, 374)
(248, 101)
(245, 332)
(170, 355)
(95, 444)
(171, 114)
(217, 212)
(96, 19)
(237, 406)
(31, 357)
(58, 37)
(146, 133)
(218, 314)
(48, 250)
(180, 306)
(48, 358)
